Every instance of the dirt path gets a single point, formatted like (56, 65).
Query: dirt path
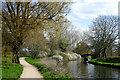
(29, 71)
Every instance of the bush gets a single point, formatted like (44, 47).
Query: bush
(112, 59)
(65, 57)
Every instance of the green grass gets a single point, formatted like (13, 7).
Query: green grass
(108, 61)
(0, 72)
(46, 71)
(10, 70)
(24, 55)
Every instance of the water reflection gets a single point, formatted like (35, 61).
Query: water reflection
(78, 69)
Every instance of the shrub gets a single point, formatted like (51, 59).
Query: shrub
(65, 57)
(112, 59)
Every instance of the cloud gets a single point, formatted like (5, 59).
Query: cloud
(81, 29)
(84, 11)
(92, 8)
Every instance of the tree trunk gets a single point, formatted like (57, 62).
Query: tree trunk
(104, 53)
(119, 49)
(15, 58)
(34, 56)
(97, 53)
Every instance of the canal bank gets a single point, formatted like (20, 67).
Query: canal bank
(104, 62)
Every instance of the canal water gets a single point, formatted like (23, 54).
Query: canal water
(78, 69)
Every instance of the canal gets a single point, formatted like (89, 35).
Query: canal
(78, 69)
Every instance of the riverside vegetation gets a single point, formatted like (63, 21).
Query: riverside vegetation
(46, 71)
(110, 61)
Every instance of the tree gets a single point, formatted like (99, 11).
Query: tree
(82, 48)
(63, 44)
(119, 36)
(103, 34)
(35, 42)
(5, 42)
(21, 17)
(55, 34)
(71, 37)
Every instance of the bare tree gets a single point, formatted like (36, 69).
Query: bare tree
(119, 36)
(103, 34)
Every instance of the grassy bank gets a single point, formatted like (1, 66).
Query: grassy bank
(10, 71)
(24, 56)
(0, 72)
(111, 62)
(46, 71)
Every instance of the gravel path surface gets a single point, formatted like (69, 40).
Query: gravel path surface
(29, 71)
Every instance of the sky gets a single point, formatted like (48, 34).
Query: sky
(84, 11)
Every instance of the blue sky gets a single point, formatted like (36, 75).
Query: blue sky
(84, 11)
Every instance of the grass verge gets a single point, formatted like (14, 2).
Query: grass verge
(106, 62)
(10, 71)
(0, 72)
(24, 56)
(46, 71)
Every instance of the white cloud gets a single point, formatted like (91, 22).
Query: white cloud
(81, 29)
(83, 11)
(92, 8)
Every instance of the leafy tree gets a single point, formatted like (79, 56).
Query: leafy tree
(35, 42)
(6, 50)
(71, 37)
(82, 48)
(21, 17)
(55, 33)
(63, 44)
